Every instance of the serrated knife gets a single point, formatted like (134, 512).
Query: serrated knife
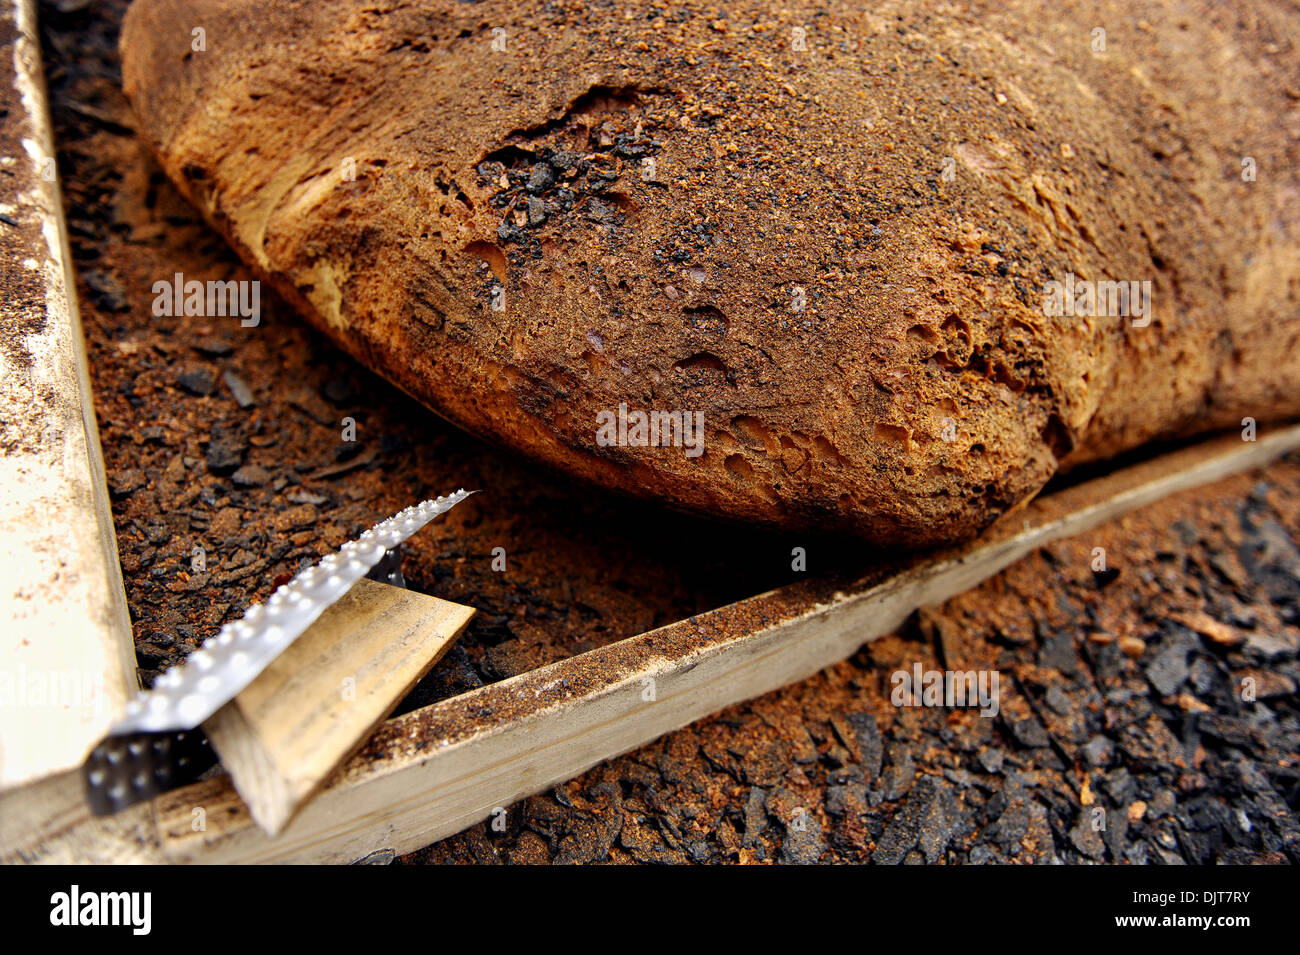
(156, 745)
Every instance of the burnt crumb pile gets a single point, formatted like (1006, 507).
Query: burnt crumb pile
(580, 171)
(551, 183)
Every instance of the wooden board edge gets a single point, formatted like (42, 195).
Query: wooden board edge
(65, 606)
(260, 770)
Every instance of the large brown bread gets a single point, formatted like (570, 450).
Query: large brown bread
(828, 230)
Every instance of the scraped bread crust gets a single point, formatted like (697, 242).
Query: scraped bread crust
(659, 195)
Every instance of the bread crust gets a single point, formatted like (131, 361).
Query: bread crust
(837, 255)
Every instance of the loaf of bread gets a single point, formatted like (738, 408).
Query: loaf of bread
(884, 271)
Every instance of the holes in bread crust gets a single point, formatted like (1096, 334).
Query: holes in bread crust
(739, 467)
(492, 255)
(752, 432)
(1057, 436)
(704, 368)
(825, 452)
(893, 434)
(954, 325)
(622, 201)
(707, 320)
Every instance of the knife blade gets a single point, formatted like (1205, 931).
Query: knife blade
(157, 745)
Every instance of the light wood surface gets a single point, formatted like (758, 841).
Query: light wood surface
(320, 699)
(67, 662)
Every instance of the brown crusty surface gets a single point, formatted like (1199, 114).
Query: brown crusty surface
(656, 187)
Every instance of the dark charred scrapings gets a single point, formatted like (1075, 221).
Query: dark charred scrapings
(584, 173)
(1122, 735)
